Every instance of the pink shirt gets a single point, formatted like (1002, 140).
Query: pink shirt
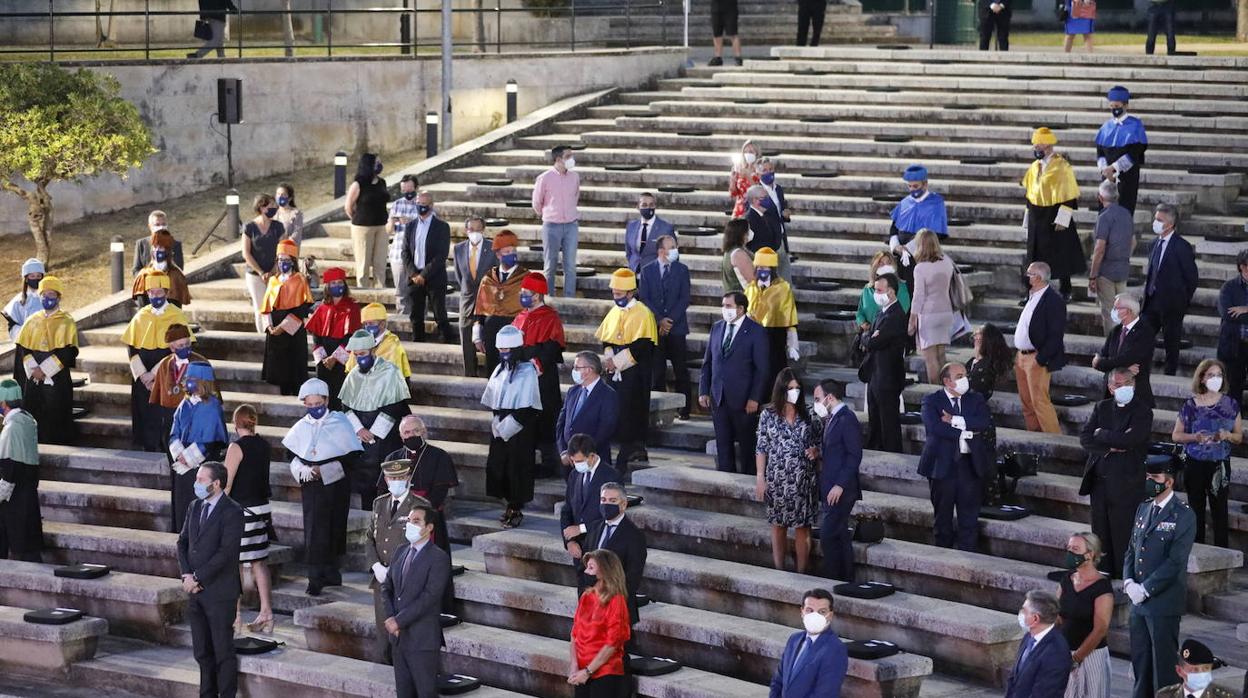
(555, 195)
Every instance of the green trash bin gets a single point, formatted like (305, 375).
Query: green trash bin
(957, 22)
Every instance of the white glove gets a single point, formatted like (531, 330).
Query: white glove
(794, 355)
(300, 472)
(6, 490)
(379, 572)
(1134, 591)
(476, 334)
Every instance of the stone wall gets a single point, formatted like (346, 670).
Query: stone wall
(298, 113)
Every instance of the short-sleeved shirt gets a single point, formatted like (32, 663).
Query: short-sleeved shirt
(264, 245)
(1220, 415)
(1115, 227)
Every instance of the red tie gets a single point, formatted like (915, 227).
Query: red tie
(1122, 337)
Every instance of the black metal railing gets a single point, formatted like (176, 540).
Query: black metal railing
(655, 20)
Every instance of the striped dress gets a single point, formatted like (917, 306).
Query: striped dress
(251, 491)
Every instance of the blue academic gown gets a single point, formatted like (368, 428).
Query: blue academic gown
(1124, 144)
(911, 215)
(820, 672)
(202, 424)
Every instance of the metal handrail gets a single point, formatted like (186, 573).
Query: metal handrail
(631, 10)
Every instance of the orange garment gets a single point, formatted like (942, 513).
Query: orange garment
(166, 390)
(179, 291)
(284, 295)
(501, 298)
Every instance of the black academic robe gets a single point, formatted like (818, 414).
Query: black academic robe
(286, 355)
(510, 464)
(633, 391)
(335, 376)
(550, 354)
(149, 423)
(21, 526)
(325, 509)
(1060, 249)
(1129, 181)
(52, 406)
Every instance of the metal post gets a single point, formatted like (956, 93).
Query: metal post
(405, 31)
(117, 257)
(232, 221)
(448, 48)
(51, 32)
(665, 5)
(340, 174)
(238, 28)
(431, 134)
(147, 29)
(329, 28)
(229, 156)
(686, 3)
(498, 29)
(512, 93)
(628, 23)
(572, 3)
(931, 24)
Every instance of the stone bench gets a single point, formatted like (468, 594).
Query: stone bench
(33, 649)
(492, 654)
(959, 638)
(134, 605)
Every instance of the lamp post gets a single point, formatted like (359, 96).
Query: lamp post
(340, 174)
(117, 254)
(431, 134)
(512, 93)
(232, 221)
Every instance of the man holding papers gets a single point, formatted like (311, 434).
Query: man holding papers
(374, 397)
(1052, 197)
(145, 340)
(287, 301)
(47, 348)
(514, 397)
(198, 435)
(629, 335)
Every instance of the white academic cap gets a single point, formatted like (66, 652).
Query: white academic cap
(509, 337)
(32, 266)
(313, 386)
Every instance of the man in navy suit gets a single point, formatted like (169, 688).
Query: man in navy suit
(617, 533)
(815, 660)
(954, 461)
(1043, 665)
(766, 169)
(1170, 281)
(734, 383)
(412, 598)
(841, 451)
(591, 407)
(883, 367)
(1040, 338)
(641, 234)
(665, 290)
(580, 510)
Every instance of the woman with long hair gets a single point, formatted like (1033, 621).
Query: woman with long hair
(992, 359)
(882, 263)
(247, 464)
(600, 629)
(259, 241)
(737, 267)
(366, 207)
(931, 314)
(1209, 426)
(742, 176)
(787, 481)
(288, 213)
(27, 301)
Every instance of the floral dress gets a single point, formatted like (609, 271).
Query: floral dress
(792, 479)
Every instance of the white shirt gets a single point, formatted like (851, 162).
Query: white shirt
(1194, 694)
(958, 421)
(418, 244)
(1162, 505)
(1131, 325)
(589, 388)
(839, 406)
(736, 327)
(1022, 333)
(612, 523)
(1037, 637)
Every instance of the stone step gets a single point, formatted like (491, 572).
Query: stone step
(46, 651)
(1221, 69)
(960, 639)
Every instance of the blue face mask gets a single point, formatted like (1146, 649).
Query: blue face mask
(767, 178)
(1124, 393)
(646, 213)
(1199, 680)
(337, 289)
(201, 490)
(377, 168)
(285, 266)
(504, 356)
(917, 193)
(192, 384)
(409, 195)
(157, 303)
(508, 260)
(270, 211)
(766, 203)
(365, 362)
(526, 300)
(317, 412)
(423, 209)
(763, 274)
(283, 200)
(373, 329)
(621, 302)
(50, 302)
(183, 353)
(160, 255)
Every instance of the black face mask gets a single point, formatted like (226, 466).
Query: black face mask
(1117, 112)
(33, 283)
(414, 443)
(609, 511)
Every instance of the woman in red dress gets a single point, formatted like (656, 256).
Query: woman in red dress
(600, 629)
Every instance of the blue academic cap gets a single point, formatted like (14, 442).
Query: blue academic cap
(199, 370)
(915, 173)
(1118, 93)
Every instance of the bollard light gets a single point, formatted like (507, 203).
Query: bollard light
(232, 221)
(117, 253)
(340, 174)
(431, 134)
(512, 92)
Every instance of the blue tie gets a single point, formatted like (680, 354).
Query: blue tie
(1028, 645)
(1153, 266)
(803, 654)
(580, 402)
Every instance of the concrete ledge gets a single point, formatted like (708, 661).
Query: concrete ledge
(32, 648)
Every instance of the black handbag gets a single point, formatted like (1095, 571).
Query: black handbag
(203, 30)
(255, 645)
(1062, 14)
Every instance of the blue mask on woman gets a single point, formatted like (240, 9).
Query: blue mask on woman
(161, 255)
(283, 200)
(183, 353)
(192, 384)
(337, 290)
(49, 303)
(317, 412)
(365, 362)
(270, 211)
(763, 274)
(157, 303)
(377, 168)
(286, 266)
(622, 302)
(767, 178)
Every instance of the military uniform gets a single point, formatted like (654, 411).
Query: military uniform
(385, 535)
(1156, 558)
(1196, 657)
(1176, 691)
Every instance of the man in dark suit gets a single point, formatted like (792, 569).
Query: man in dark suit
(883, 366)
(580, 509)
(1040, 338)
(994, 15)
(591, 407)
(412, 595)
(156, 220)
(815, 661)
(384, 537)
(954, 460)
(426, 245)
(1170, 281)
(1129, 345)
(1043, 665)
(764, 220)
(474, 258)
(208, 560)
(841, 450)
(617, 533)
(1116, 440)
(642, 233)
(1233, 333)
(734, 383)
(665, 290)
(1155, 579)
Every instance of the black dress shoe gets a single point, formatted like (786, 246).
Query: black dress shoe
(314, 588)
(716, 61)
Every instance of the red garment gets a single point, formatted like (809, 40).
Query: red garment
(595, 626)
(738, 184)
(541, 324)
(335, 320)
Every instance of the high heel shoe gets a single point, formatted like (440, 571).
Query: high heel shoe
(238, 625)
(261, 625)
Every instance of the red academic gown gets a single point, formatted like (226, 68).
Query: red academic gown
(331, 325)
(543, 341)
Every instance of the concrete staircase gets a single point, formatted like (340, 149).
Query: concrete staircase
(760, 23)
(842, 123)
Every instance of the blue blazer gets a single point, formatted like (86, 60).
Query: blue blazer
(638, 259)
(1157, 557)
(940, 447)
(597, 418)
(819, 676)
(740, 375)
(1047, 331)
(587, 512)
(842, 456)
(1047, 669)
(667, 296)
(1176, 277)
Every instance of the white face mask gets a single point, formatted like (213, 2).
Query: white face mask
(413, 533)
(1214, 383)
(1022, 620)
(815, 623)
(749, 236)
(1158, 227)
(582, 466)
(884, 269)
(1199, 680)
(881, 299)
(577, 376)
(1115, 316)
(749, 158)
(821, 410)
(397, 487)
(792, 395)
(673, 254)
(730, 314)
(474, 237)
(961, 385)
(569, 163)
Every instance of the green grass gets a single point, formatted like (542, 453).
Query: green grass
(1116, 39)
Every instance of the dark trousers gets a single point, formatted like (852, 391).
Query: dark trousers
(810, 15)
(470, 351)
(961, 490)
(489, 332)
(611, 686)
(736, 433)
(415, 671)
(1160, 18)
(382, 649)
(1198, 475)
(1113, 515)
(1170, 325)
(1154, 652)
(835, 541)
(1236, 370)
(675, 349)
(212, 640)
(435, 295)
(883, 419)
(998, 22)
